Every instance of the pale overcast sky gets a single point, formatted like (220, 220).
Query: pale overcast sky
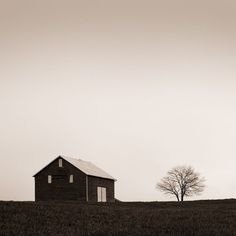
(136, 87)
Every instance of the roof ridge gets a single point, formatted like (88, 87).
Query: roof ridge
(77, 159)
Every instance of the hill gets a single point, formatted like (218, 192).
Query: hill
(212, 217)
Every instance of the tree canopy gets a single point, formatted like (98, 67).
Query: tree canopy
(182, 181)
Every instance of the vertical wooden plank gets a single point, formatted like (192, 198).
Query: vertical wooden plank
(87, 196)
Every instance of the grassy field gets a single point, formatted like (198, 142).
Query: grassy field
(205, 218)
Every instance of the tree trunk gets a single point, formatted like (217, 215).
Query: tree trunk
(182, 197)
(177, 196)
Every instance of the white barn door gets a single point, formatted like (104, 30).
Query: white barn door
(101, 194)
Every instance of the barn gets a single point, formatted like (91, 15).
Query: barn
(70, 179)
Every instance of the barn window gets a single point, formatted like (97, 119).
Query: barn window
(49, 179)
(101, 194)
(71, 180)
(60, 162)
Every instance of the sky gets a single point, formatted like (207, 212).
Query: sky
(136, 87)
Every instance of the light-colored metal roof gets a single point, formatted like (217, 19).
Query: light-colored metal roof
(88, 168)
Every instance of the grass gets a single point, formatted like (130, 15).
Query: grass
(213, 217)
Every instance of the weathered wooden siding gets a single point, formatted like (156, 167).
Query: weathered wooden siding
(60, 188)
(94, 182)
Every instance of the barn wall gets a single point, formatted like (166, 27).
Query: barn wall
(94, 182)
(60, 188)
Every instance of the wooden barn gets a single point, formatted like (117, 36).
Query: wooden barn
(69, 179)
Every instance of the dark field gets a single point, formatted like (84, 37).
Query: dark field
(153, 218)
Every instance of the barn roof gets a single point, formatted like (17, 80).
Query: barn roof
(87, 167)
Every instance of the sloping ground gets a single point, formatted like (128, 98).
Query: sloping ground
(204, 218)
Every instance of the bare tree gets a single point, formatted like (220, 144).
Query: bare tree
(182, 181)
